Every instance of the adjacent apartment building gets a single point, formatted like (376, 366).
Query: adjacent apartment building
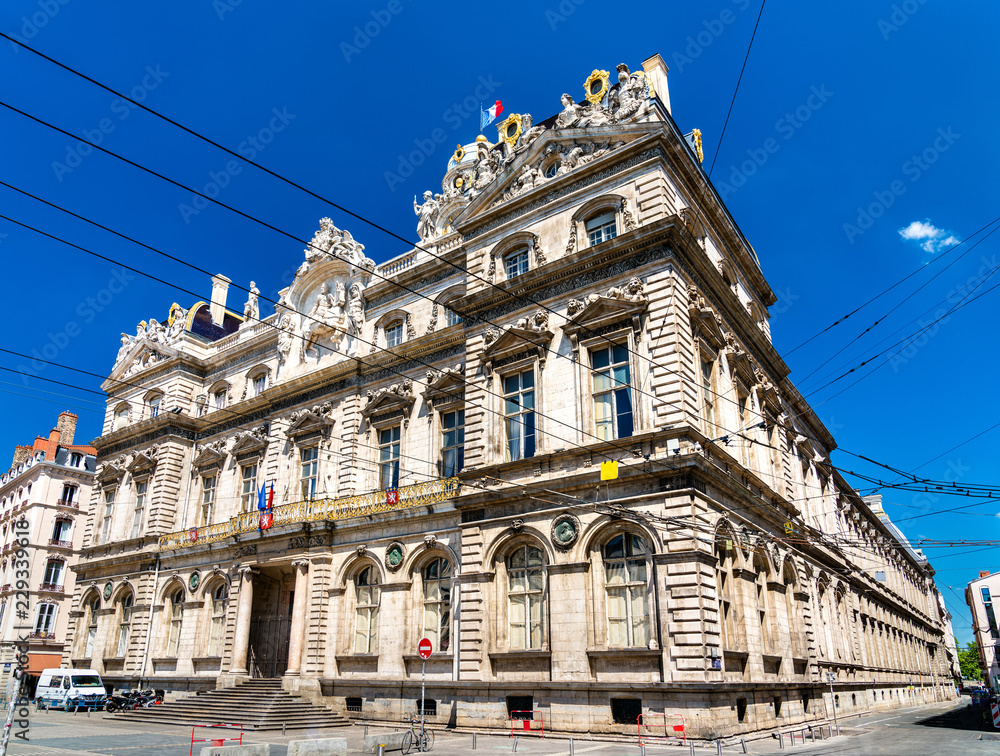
(48, 489)
(554, 438)
(980, 595)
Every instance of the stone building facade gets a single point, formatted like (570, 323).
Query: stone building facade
(554, 438)
(44, 496)
(979, 594)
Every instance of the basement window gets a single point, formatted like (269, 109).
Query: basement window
(626, 711)
(741, 710)
(354, 703)
(519, 707)
(428, 707)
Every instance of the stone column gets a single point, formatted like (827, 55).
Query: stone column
(241, 638)
(301, 570)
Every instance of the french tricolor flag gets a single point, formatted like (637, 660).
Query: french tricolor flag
(490, 114)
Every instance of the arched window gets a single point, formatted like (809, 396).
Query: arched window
(217, 632)
(729, 624)
(124, 624)
(153, 404)
(175, 614)
(437, 604)
(90, 617)
(121, 416)
(366, 611)
(526, 598)
(626, 584)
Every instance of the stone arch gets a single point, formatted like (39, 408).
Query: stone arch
(509, 538)
(170, 585)
(600, 531)
(354, 564)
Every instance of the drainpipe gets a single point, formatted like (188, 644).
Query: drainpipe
(149, 623)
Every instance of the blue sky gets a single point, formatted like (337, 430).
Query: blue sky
(854, 121)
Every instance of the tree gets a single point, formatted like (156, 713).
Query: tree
(968, 661)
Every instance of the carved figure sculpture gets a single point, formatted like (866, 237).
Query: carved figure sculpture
(350, 250)
(427, 213)
(286, 337)
(251, 310)
(356, 307)
(124, 348)
(327, 319)
(580, 116)
(155, 332)
(629, 96)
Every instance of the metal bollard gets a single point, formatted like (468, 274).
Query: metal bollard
(812, 734)
(781, 741)
(282, 728)
(366, 731)
(642, 749)
(744, 744)
(381, 749)
(692, 749)
(571, 747)
(473, 741)
(513, 748)
(831, 730)
(718, 747)
(838, 730)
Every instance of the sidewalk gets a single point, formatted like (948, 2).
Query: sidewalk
(55, 733)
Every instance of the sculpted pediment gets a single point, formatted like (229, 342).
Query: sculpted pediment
(529, 335)
(143, 463)
(390, 402)
(446, 386)
(211, 456)
(308, 422)
(250, 442)
(596, 313)
(110, 474)
(140, 356)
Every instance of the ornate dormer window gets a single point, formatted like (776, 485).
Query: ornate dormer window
(516, 263)
(393, 334)
(601, 228)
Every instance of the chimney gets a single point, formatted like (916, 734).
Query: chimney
(656, 72)
(67, 428)
(53, 445)
(220, 290)
(984, 573)
(21, 453)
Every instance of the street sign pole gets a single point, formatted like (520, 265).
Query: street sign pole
(425, 649)
(832, 678)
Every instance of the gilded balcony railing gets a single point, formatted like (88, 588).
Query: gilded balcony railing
(419, 494)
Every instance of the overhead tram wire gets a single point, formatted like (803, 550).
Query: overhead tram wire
(896, 307)
(306, 190)
(400, 238)
(728, 433)
(627, 450)
(732, 102)
(881, 294)
(49, 125)
(914, 335)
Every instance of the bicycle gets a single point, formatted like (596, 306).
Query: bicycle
(422, 741)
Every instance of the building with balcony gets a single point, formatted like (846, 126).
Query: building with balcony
(43, 499)
(979, 595)
(554, 438)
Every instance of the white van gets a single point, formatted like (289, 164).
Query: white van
(66, 688)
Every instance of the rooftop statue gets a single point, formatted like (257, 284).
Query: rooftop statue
(428, 214)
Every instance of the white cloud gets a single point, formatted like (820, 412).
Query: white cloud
(932, 239)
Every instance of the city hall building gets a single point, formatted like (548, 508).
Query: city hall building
(554, 438)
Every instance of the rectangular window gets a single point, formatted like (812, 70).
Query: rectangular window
(258, 384)
(309, 477)
(68, 494)
(612, 392)
(388, 457)
(60, 531)
(219, 399)
(601, 228)
(519, 414)
(109, 506)
(140, 505)
(516, 264)
(124, 627)
(75, 460)
(45, 621)
(452, 443)
(451, 317)
(991, 619)
(176, 619)
(154, 406)
(53, 571)
(393, 335)
(208, 499)
(121, 418)
(248, 487)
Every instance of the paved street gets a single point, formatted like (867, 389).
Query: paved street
(937, 729)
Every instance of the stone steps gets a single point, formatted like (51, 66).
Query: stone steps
(259, 705)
